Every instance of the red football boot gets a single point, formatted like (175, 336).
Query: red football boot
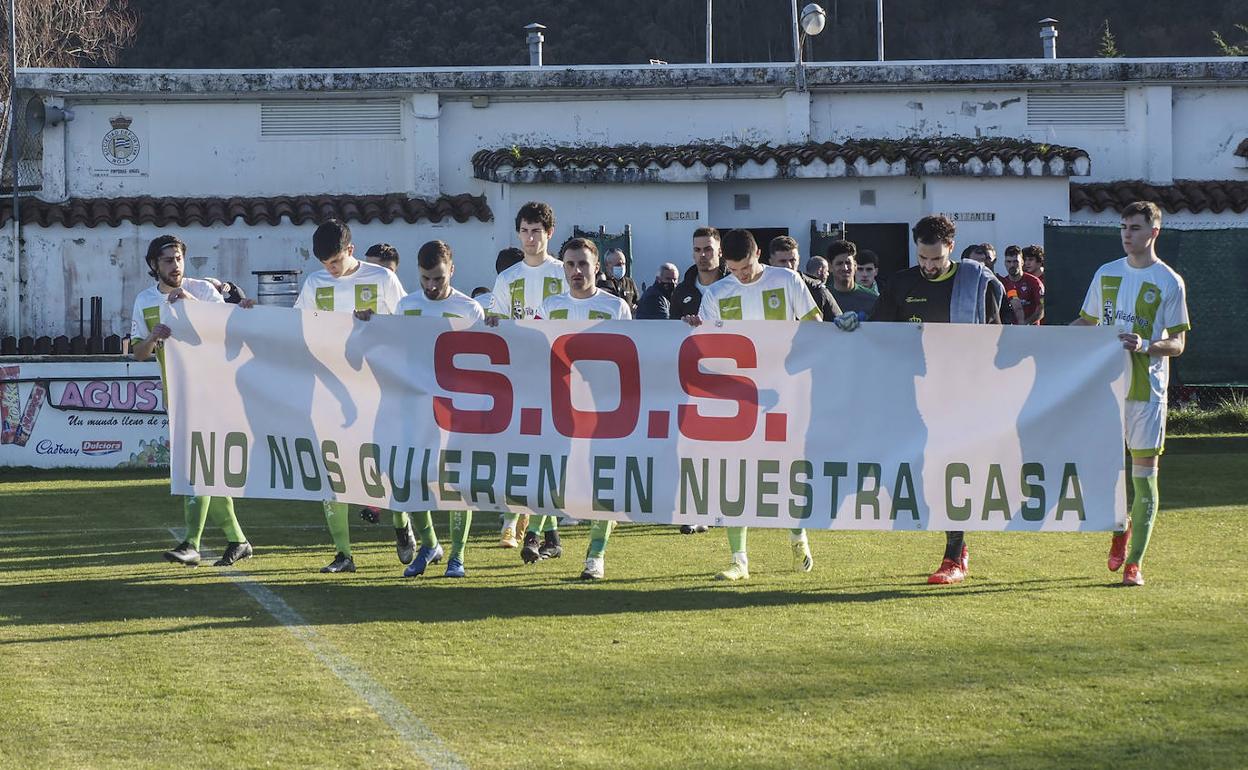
(1131, 576)
(950, 572)
(1118, 548)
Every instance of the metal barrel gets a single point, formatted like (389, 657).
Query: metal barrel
(277, 287)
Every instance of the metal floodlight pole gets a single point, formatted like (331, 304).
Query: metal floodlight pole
(15, 310)
(879, 30)
(709, 5)
(799, 73)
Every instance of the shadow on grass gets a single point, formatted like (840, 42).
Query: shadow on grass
(337, 600)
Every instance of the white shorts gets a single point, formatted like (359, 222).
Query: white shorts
(1145, 428)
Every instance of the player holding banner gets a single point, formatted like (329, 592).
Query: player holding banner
(165, 260)
(753, 291)
(519, 290)
(1147, 301)
(438, 298)
(584, 301)
(348, 285)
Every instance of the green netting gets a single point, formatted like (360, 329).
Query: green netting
(1214, 265)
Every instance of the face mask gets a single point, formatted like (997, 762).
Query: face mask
(617, 272)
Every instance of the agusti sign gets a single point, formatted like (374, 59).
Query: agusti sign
(73, 413)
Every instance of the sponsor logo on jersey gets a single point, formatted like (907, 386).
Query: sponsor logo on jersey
(1107, 313)
(101, 447)
(1139, 322)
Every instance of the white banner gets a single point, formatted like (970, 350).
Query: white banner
(764, 423)
(82, 414)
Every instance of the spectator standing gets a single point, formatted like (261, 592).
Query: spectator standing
(656, 300)
(614, 279)
(1024, 293)
(851, 297)
(867, 273)
(783, 252)
(1033, 261)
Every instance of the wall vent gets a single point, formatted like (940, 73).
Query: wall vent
(330, 118)
(1077, 108)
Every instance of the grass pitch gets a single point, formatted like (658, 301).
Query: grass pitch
(110, 657)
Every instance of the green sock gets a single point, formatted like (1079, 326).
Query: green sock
(461, 521)
(339, 525)
(599, 534)
(195, 511)
(1143, 511)
(535, 524)
(424, 525)
(509, 520)
(401, 519)
(551, 523)
(736, 539)
(222, 512)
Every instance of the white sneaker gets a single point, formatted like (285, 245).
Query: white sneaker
(595, 569)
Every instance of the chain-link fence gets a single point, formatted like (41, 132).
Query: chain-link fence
(1214, 265)
(26, 135)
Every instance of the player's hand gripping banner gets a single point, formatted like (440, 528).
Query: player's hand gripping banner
(763, 423)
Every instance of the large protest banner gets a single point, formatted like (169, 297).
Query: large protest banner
(771, 424)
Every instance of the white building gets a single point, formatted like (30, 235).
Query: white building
(243, 164)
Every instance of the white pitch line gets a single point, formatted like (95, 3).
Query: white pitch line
(427, 745)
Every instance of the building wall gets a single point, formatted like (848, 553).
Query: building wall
(62, 265)
(1209, 123)
(210, 148)
(204, 141)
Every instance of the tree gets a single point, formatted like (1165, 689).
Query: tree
(64, 33)
(1226, 49)
(1108, 48)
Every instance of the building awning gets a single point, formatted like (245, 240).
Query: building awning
(1184, 195)
(948, 156)
(301, 209)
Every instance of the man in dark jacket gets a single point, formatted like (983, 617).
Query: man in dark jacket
(707, 269)
(940, 290)
(784, 253)
(613, 278)
(656, 300)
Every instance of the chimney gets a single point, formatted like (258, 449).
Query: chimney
(534, 40)
(1048, 34)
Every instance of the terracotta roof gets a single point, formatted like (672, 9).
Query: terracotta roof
(859, 157)
(1242, 149)
(91, 212)
(1194, 196)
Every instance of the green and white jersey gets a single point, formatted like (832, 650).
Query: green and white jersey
(148, 304)
(777, 295)
(370, 287)
(520, 289)
(457, 305)
(1148, 301)
(600, 305)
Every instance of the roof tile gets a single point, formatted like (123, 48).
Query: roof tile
(1196, 197)
(300, 209)
(634, 163)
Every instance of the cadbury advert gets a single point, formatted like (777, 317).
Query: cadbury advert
(82, 415)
